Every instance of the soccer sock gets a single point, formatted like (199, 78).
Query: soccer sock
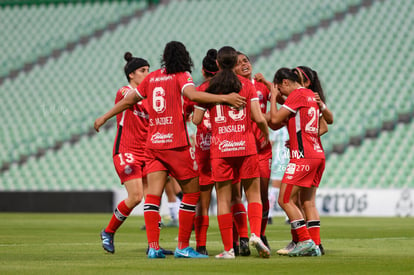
(152, 220)
(201, 226)
(240, 219)
(300, 227)
(273, 197)
(186, 218)
(225, 223)
(255, 217)
(172, 208)
(265, 217)
(120, 214)
(295, 237)
(314, 231)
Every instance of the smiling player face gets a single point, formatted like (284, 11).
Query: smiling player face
(243, 67)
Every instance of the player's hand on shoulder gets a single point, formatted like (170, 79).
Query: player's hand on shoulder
(235, 100)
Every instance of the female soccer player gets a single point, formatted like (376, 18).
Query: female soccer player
(168, 146)
(307, 158)
(264, 149)
(202, 154)
(128, 152)
(233, 150)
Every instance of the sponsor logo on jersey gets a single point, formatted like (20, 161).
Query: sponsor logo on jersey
(127, 169)
(227, 145)
(141, 114)
(162, 138)
(296, 154)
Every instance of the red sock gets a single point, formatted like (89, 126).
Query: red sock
(314, 231)
(152, 220)
(225, 223)
(265, 217)
(295, 236)
(201, 226)
(120, 214)
(186, 218)
(300, 227)
(240, 219)
(255, 217)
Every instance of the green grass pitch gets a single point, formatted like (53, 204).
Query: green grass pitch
(70, 244)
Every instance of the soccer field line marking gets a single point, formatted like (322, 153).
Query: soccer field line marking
(174, 242)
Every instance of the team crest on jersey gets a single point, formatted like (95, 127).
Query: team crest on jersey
(290, 169)
(128, 169)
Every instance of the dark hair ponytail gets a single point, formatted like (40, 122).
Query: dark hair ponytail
(312, 77)
(225, 81)
(209, 63)
(285, 73)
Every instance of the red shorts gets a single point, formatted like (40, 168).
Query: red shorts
(233, 168)
(130, 166)
(179, 162)
(204, 166)
(304, 172)
(265, 162)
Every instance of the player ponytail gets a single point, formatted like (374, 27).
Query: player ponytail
(225, 81)
(306, 73)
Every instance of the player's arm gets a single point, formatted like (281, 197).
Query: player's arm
(198, 115)
(327, 114)
(258, 117)
(277, 117)
(323, 126)
(232, 99)
(127, 102)
(260, 78)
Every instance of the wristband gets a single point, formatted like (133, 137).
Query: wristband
(323, 108)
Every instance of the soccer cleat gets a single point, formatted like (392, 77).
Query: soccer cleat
(264, 240)
(108, 241)
(164, 251)
(313, 253)
(155, 254)
(263, 251)
(244, 247)
(302, 248)
(188, 252)
(322, 249)
(236, 249)
(202, 250)
(226, 254)
(287, 249)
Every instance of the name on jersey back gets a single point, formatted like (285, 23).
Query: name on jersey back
(231, 129)
(161, 121)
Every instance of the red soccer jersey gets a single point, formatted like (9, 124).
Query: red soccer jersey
(167, 124)
(263, 94)
(303, 125)
(132, 126)
(203, 136)
(232, 134)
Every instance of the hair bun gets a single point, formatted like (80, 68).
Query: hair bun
(128, 56)
(212, 54)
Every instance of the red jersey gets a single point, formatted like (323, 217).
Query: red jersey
(303, 125)
(263, 94)
(232, 134)
(167, 124)
(132, 126)
(203, 136)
